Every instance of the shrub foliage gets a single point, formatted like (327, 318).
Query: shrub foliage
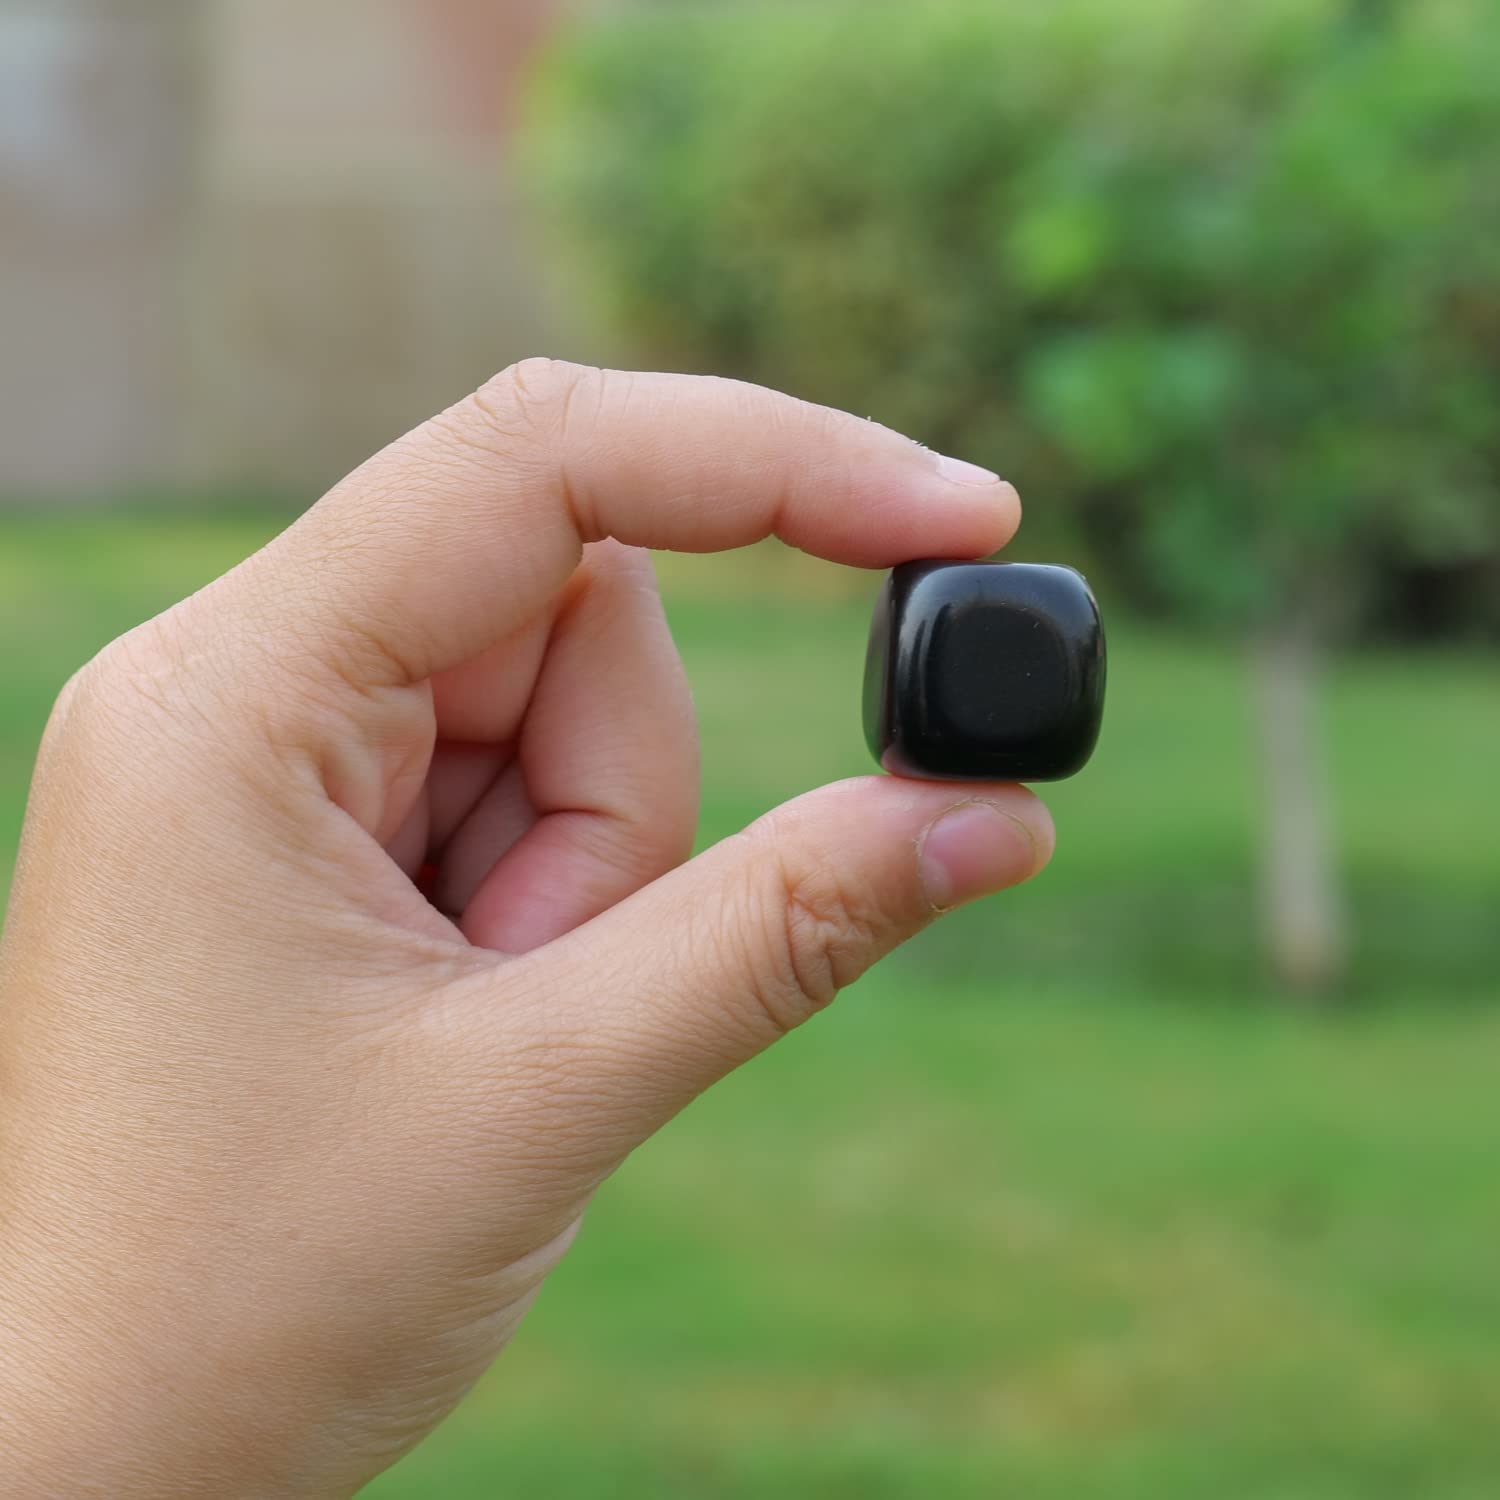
(1218, 285)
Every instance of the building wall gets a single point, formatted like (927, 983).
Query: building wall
(247, 241)
(94, 204)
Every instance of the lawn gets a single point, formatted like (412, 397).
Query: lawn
(1058, 1203)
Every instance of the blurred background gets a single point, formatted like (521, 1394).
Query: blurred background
(1177, 1174)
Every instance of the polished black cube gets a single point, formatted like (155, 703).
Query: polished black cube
(984, 671)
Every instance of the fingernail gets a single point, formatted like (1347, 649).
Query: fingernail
(971, 850)
(964, 473)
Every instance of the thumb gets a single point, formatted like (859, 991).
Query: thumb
(699, 971)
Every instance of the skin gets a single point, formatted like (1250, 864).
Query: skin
(289, 1142)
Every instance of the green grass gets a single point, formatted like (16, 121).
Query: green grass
(1062, 1250)
(1056, 1203)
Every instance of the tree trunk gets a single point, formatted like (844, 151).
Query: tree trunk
(1305, 922)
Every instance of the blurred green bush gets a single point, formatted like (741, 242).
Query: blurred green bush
(1218, 286)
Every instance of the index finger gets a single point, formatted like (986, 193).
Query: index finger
(457, 533)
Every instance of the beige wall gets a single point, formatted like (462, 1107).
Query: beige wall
(94, 111)
(246, 241)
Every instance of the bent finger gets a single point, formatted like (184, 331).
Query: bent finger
(609, 756)
(459, 532)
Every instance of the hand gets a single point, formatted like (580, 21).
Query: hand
(287, 1144)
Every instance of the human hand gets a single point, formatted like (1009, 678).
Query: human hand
(287, 1147)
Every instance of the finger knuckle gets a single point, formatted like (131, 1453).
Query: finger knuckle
(149, 700)
(137, 677)
(826, 925)
(68, 710)
(531, 397)
(65, 705)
